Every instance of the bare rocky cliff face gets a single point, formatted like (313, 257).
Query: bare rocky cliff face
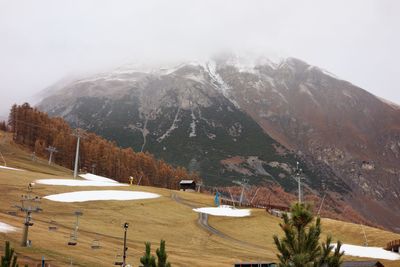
(234, 117)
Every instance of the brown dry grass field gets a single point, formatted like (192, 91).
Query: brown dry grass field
(188, 244)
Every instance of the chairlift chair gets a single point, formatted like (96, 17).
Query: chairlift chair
(72, 240)
(52, 226)
(12, 213)
(118, 260)
(74, 235)
(95, 244)
(72, 243)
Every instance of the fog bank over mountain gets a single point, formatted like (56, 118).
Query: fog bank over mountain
(45, 41)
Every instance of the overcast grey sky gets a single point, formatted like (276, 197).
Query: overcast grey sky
(43, 41)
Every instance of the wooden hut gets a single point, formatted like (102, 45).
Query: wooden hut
(185, 185)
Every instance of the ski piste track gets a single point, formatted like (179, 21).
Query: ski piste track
(202, 221)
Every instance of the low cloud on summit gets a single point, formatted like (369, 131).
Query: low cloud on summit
(45, 41)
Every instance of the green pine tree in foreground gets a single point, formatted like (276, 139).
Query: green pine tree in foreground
(300, 246)
(148, 260)
(162, 256)
(9, 259)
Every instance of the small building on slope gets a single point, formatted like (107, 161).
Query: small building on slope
(187, 185)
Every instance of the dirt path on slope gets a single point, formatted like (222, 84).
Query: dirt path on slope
(202, 221)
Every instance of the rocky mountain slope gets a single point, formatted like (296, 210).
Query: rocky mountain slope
(233, 117)
(310, 110)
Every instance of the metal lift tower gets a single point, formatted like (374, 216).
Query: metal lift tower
(298, 179)
(51, 150)
(78, 133)
(29, 204)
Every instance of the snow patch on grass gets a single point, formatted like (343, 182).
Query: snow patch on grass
(9, 168)
(369, 252)
(6, 228)
(97, 178)
(72, 182)
(82, 196)
(224, 210)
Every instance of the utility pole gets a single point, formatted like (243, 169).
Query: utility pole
(199, 186)
(79, 133)
(244, 184)
(251, 202)
(51, 150)
(123, 262)
(298, 172)
(233, 202)
(140, 179)
(126, 225)
(29, 204)
(118, 261)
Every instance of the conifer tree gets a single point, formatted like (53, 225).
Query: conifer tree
(148, 260)
(162, 256)
(9, 259)
(12, 120)
(3, 126)
(300, 247)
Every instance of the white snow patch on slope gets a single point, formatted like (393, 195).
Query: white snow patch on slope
(82, 196)
(9, 168)
(211, 68)
(6, 228)
(329, 74)
(193, 126)
(169, 70)
(305, 90)
(270, 80)
(280, 94)
(347, 93)
(97, 178)
(324, 72)
(369, 252)
(173, 127)
(248, 62)
(72, 182)
(196, 78)
(224, 210)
